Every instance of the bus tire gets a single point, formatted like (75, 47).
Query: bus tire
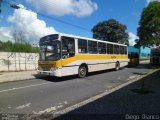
(82, 71)
(117, 66)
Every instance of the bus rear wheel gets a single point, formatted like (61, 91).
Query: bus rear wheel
(117, 67)
(82, 71)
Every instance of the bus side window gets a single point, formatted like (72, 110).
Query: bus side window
(109, 48)
(125, 50)
(92, 47)
(68, 46)
(116, 49)
(122, 50)
(101, 48)
(82, 46)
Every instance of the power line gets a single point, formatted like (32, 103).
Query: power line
(0, 6)
(15, 6)
(64, 22)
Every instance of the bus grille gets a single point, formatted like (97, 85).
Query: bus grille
(46, 69)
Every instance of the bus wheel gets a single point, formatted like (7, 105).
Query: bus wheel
(82, 71)
(117, 67)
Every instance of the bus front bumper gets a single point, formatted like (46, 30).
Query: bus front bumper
(56, 73)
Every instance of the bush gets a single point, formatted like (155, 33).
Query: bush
(17, 47)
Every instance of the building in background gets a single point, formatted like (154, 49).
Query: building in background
(133, 55)
(144, 51)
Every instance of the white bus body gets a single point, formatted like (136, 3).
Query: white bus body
(64, 55)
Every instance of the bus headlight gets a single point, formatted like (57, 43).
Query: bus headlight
(39, 68)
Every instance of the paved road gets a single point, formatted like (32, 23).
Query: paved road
(123, 104)
(52, 94)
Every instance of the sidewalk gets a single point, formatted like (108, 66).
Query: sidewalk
(15, 76)
(144, 61)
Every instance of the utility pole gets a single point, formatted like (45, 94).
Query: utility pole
(139, 50)
(138, 45)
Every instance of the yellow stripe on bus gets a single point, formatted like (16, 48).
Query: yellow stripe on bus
(61, 63)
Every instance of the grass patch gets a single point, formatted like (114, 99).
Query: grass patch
(143, 59)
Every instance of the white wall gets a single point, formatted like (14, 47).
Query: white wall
(12, 61)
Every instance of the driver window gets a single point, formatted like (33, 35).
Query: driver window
(68, 47)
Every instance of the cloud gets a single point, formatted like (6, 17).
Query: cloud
(27, 22)
(132, 38)
(148, 1)
(6, 34)
(78, 8)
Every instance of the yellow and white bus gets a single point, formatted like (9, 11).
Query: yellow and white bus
(64, 55)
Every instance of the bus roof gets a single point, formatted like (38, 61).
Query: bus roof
(85, 38)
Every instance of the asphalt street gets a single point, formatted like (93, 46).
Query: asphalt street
(47, 94)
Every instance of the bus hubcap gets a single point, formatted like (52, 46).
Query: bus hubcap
(117, 66)
(82, 71)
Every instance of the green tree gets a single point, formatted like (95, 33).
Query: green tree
(149, 25)
(137, 45)
(111, 30)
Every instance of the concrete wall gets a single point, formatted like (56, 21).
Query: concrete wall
(11, 61)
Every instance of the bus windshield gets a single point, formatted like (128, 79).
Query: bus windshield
(50, 50)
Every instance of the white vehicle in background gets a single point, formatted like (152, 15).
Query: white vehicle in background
(155, 56)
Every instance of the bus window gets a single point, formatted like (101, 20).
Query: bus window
(92, 47)
(125, 50)
(116, 49)
(101, 48)
(68, 46)
(110, 48)
(121, 49)
(82, 46)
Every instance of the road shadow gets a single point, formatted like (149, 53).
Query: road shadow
(101, 72)
(143, 66)
(72, 77)
(148, 66)
(121, 104)
(55, 79)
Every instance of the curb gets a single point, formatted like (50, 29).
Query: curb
(107, 92)
(17, 80)
(34, 76)
(7, 79)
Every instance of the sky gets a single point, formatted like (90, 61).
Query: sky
(38, 18)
